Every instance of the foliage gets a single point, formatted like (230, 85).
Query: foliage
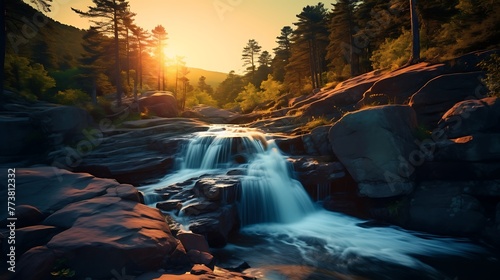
(61, 270)
(28, 79)
(197, 97)
(393, 53)
(73, 97)
(316, 122)
(249, 98)
(492, 80)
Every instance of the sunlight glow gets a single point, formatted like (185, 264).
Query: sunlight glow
(210, 34)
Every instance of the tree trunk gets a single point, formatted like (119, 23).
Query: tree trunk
(118, 78)
(3, 43)
(415, 32)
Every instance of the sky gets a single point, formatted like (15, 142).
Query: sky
(209, 34)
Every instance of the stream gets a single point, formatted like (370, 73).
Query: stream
(285, 235)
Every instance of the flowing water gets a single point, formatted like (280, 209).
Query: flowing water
(284, 235)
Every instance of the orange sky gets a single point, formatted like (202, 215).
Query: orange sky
(210, 34)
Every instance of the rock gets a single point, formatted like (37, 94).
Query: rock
(440, 94)
(192, 241)
(293, 145)
(399, 85)
(24, 138)
(458, 170)
(169, 205)
(479, 147)
(199, 207)
(28, 215)
(213, 115)
(203, 258)
(316, 142)
(161, 104)
(50, 189)
(217, 225)
(33, 236)
(334, 102)
(372, 144)
(472, 116)
(36, 264)
(107, 236)
(220, 189)
(442, 207)
(200, 269)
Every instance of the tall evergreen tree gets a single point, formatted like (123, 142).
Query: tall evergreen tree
(107, 17)
(309, 42)
(342, 31)
(250, 53)
(141, 37)
(282, 53)
(159, 38)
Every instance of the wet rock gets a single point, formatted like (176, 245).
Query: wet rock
(372, 144)
(217, 225)
(169, 205)
(198, 208)
(220, 189)
(442, 207)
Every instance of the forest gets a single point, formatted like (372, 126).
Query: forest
(116, 59)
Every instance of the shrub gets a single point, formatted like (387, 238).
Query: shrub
(492, 80)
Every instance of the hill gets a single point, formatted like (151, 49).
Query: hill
(41, 39)
(213, 78)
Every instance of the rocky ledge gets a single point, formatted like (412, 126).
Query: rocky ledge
(75, 224)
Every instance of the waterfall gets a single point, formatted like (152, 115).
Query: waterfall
(268, 193)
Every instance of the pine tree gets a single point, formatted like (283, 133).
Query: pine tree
(250, 53)
(282, 53)
(159, 38)
(107, 17)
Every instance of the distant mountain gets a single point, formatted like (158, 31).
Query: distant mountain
(213, 78)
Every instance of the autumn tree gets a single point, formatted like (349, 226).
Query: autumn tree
(249, 57)
(159, 38)
(107, 17)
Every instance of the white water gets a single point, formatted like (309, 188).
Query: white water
(283, 227)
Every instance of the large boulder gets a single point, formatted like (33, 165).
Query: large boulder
(399, 85)
(472, 116)
(443, 207)
(95, 226)
(161, 104)
(374, 144)
(440, 94)
(108, 234)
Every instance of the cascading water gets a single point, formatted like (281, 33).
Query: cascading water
(268, 194)
(290, 239)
